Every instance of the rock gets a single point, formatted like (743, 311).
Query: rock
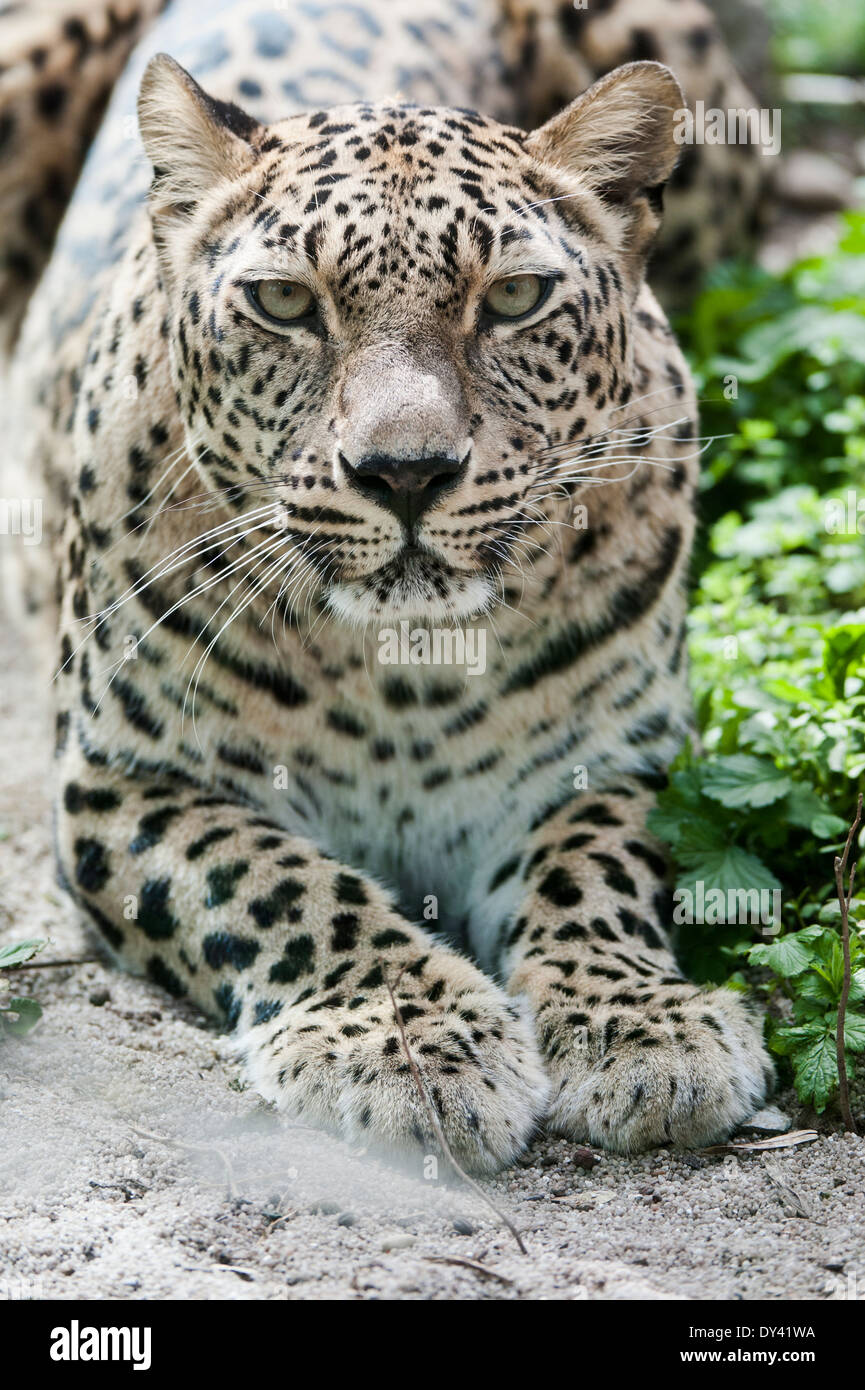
(584, 1158)
(396, 1240)
(770, 1120)
(693, 1161)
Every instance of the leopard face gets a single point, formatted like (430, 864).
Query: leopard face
(388, 323)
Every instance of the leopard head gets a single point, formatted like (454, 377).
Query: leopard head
(385, 319)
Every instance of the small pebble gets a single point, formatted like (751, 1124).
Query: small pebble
(584, 1158)
(346, 1219)
(463, 1227)
(396, 1240)
(100, 997)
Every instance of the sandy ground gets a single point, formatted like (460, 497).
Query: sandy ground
(132, 1166)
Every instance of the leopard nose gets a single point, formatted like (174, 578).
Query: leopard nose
(406, 487)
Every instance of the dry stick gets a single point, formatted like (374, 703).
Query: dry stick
(469, 1264)
(436, 1124)
(54, 964)
(844, 901)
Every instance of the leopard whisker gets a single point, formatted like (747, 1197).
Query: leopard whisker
(189, 550)
(615, 438)
(581, 471)
(257, 583)
(144, 582)
(208, 584)
(302, 557)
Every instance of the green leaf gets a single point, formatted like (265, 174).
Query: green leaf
(728, 867)
(793, 1038)
(816, 1071)
(29, 1014)
(854, 1032)
(805, 808)
(831, 911)
(742, 780)
(20, 951)
(844, 649)
(737, 983)
(790, 955)
(857, 986)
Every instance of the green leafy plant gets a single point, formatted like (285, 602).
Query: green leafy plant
(18, 1015)
(777, 645)
(809, 968)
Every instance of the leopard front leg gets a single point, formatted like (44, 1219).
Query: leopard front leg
(296, 953)
(638, 1055)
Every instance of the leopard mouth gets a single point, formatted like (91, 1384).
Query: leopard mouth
(414, 583)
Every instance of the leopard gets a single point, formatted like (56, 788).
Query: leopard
(336, 358)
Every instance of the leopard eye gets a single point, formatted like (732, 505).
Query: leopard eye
(283, 300)
(515, 296)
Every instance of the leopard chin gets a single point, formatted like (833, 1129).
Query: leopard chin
(413, 585)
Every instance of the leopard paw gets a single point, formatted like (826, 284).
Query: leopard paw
(342, 1065)
(686, 1074)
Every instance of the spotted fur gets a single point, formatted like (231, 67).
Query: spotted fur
(58, 64)
(253, 809)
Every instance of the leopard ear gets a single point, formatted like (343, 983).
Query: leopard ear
(619, 140)
(193, 141)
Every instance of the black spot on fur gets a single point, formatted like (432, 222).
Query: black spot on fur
(559, 888)
(223, 948)
(222, 882)
(92, 869)
(278, 904)
(298, 958)
(162, 974)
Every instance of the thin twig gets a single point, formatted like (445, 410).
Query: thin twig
(469, 1264)
(436, 1124)
(55, 964)
(844, 901)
